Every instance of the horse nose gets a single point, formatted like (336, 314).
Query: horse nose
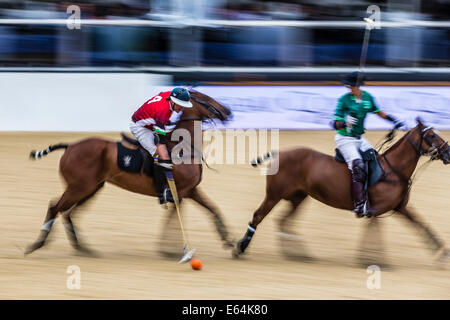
(230, 116)
(446, 157)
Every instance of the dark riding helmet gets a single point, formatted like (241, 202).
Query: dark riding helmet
(181, 97)
(354, 79)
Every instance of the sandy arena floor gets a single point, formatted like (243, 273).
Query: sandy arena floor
(125, 229)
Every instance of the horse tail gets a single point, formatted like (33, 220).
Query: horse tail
(39, 154)
(262, 158)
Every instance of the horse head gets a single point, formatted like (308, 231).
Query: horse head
(431, 143)
(206, 108)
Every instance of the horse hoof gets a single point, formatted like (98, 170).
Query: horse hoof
(235, 254)
(86, 252)
(443, 256)
(237, 251)
(33, 247)
(228, 245)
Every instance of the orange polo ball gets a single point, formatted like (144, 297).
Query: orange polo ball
(196, 264)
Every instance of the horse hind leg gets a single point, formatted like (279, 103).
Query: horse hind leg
(171, 242)
(371, 248)
(70, 228)
(286, 220)
(66, 203)
(291, 244)
(266, 206)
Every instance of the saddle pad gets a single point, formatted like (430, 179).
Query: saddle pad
(132, 161)
(373, 168)
(129, 160)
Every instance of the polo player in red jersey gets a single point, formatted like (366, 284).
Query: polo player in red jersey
(150, 124)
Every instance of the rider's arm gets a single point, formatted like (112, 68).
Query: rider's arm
(167, 123)
(382, 114)
(397, 123)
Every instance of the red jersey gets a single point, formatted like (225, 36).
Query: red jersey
(155, 112)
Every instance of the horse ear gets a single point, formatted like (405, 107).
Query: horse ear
(419, 121)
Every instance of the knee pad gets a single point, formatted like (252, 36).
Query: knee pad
(160, 139)
(359, 170)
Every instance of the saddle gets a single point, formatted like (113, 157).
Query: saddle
(373, 170)
(133, 158)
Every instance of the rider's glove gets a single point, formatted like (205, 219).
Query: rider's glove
(351, 121)
(159, 130)
(397, 123)
(169, 128)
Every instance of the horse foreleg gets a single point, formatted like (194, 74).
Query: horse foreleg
(258, 216)
(435, 243)
(221, 228)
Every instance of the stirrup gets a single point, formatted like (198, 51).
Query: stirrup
(166, 196)
(366, 211)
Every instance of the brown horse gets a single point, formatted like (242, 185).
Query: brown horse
(88, 164)
(304, 172)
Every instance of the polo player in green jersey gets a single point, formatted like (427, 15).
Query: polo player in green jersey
(351, 111)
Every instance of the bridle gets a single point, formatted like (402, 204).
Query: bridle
(213, 110)
(434, 152)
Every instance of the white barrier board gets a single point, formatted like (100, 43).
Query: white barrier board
(73, 101)
(106, 101)
(313, 107)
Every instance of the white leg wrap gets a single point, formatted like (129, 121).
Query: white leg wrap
(289, 236)
(48, 225)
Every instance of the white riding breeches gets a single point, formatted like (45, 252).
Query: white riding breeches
(349, 147)
(146, 137)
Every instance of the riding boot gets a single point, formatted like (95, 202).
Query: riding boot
(359, 194)
(161, 173)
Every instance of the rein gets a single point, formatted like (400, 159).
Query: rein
(389, 138)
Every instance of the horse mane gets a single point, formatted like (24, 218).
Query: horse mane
(197, 95)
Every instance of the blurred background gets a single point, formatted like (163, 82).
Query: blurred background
(276, 64)
(129, 50)
(182, 41)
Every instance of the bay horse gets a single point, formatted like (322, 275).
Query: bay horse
(305, 172)
(88, 164)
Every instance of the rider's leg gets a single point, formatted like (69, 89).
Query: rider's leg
(349, 148)
(358, 183)
(163, 171)
(365, 144)
(146, 138)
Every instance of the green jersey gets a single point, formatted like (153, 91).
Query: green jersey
(348, 104)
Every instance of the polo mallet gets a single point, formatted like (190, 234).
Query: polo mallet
(362, 60)
(188, 253)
